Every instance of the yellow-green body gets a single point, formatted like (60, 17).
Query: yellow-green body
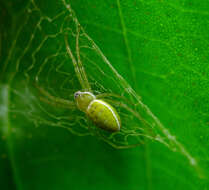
(103, 115)
(100, 112)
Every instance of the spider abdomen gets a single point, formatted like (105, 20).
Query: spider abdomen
(103, 115)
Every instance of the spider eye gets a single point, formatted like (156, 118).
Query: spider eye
(76, 94)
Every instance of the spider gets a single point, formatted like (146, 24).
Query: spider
(102, 114)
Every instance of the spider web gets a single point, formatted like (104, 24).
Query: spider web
(49, 75)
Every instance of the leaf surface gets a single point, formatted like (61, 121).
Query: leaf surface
(159, 48)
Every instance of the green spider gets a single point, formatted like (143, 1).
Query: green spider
(101, 113)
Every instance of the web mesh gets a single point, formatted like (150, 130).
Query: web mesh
(50, 81)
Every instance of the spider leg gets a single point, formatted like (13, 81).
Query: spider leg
(79, 69)
(50, 99)
(104, 95)
(117, 146)
(96, 132)
(117, 99)
(79, 63)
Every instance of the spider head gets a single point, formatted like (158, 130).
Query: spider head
(83, 99)
(77, 94)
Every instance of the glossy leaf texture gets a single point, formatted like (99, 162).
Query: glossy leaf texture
(150, 59)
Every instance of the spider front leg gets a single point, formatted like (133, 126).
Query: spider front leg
(55, 101)
(78, 66)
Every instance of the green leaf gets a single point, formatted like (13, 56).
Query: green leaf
(149, 59)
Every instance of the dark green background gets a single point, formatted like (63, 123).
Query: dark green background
(160, 47)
